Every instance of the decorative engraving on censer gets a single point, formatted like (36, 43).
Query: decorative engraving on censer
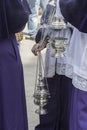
(41, 92)
(59, 45)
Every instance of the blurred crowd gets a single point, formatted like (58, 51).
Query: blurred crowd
(37, 7)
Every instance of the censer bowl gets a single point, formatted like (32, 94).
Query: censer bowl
(59, 45)
(43, 102)
(39, 95)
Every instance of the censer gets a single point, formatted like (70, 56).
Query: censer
(41, 92)
(55, 22)
(59, 43)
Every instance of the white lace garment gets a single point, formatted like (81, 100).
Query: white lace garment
(74, 63)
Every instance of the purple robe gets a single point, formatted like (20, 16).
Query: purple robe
(58, 106)
(13, 16)
(78, 110)
(75, 12)
(13, 114)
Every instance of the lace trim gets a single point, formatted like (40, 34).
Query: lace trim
(67, 70)
(64, 69)
(79, 82)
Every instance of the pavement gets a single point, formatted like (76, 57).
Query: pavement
(29, 66)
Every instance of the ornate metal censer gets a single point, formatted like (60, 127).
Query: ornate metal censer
(41, 92)
(55, 22)
(59, 43)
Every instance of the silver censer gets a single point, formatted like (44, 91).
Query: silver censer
(59, 43)
(41, 92)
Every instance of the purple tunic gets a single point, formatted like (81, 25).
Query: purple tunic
(58, 106)
(13, 114)
(75, 12)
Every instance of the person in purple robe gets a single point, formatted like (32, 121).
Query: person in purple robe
(75, 12)
(13, 114)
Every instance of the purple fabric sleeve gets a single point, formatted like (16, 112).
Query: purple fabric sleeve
(75, 12)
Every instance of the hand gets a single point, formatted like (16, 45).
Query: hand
(37, 48)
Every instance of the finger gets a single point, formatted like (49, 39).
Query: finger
(34, 48)
(40, 48)
(33, 51)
